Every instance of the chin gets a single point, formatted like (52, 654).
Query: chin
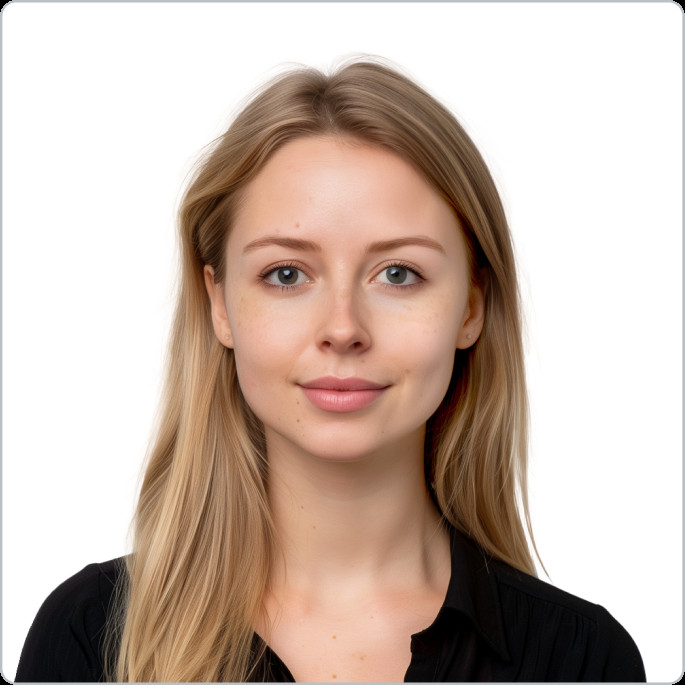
(349, 445)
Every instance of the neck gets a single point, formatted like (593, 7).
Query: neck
(350, 527)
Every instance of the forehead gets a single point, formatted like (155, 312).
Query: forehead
(339, 187)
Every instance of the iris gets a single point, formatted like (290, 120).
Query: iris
(396, 274)
(287, 275)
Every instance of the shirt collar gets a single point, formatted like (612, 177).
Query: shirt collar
(473, 591)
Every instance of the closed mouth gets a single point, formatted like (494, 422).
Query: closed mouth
(342, 395)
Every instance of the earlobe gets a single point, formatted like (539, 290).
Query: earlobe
(474, 317)
(222, 328)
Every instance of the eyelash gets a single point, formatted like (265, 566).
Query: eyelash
(263, 276)
(403, 265)
(275, 267)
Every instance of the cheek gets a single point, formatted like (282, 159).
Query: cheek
(425, 347)
(432, 362)
(423, 354)
(430, 326)
(265, 345)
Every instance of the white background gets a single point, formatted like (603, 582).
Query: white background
(577, 109)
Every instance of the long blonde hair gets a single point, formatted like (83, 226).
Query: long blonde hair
(203, 533)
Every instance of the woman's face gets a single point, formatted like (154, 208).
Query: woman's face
(347, 291)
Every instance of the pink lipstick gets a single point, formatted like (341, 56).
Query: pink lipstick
(342, 394)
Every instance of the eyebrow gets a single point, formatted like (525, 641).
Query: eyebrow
(292, 243)
(420, 240)
(309, 246)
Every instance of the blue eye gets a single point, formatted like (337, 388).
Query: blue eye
(399, 275)
(285, 276)
(396, 274)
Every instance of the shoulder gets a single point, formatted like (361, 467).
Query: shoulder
(569, 637)
(66, 639)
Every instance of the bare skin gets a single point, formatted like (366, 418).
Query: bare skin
(365, 565)
(343, 262)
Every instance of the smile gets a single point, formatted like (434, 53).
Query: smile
(342, 394)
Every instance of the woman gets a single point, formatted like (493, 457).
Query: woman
(337, 490)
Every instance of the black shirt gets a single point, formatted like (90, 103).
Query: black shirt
(496, 624)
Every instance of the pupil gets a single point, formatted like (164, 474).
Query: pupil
(287, 276)
(397, 274)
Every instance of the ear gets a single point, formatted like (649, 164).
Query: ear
(222, 328)
(474, 316)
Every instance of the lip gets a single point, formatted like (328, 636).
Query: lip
(342, 384)
(342, 395)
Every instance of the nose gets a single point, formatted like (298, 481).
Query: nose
(343, 326)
